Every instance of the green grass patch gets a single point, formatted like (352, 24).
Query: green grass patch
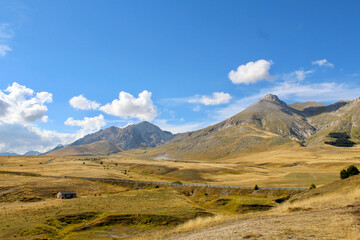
(244, 204)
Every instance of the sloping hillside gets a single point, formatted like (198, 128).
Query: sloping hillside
(265, 124)
(102, 147)
(328, 212)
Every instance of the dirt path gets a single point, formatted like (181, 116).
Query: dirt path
(47, 162)
(340, 223)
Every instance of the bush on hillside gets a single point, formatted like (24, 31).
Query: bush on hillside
(351, 171)
(256, 187)
(312, 186)
(344, 174)
(341, 140)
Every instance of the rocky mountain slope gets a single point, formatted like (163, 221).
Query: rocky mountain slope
(114, 139)
(267, 123)
(345, 118)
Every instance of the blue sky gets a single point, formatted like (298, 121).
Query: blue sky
(182, 65)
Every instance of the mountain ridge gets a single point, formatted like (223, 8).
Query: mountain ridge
(267, 123)
(141, 135)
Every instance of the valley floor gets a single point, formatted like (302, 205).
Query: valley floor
(29, 208)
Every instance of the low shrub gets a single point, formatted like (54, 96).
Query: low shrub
(351, 171)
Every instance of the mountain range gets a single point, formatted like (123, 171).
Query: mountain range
(265, 124)
(113, 139)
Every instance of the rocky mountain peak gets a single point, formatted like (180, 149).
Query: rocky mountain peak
(271, 97)
(143, 134)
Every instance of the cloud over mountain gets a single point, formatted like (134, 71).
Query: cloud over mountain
(89, 124)
(127, 106)
(251, 72)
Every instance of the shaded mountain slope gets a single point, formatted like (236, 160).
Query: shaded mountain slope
(345, 119)
(302, 106)
(317, 109)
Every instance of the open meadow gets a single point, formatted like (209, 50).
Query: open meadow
(284, 166)
(29, 208)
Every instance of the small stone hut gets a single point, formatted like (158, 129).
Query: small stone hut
(66, 194)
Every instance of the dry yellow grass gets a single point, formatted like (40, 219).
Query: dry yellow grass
(280, 167)
(202, 222)
(283, 166)
(329, 212)
(327, 201)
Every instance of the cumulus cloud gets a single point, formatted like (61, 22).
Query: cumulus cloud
(20, 108)
(251, 72)
(88, 124)
(20, 139)
(127, 105)
(217, 98)
(19, 104)
(322, 63)
(81, 102)
(5, 35)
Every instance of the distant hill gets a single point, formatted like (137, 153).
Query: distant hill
(32, 153)
(8, 154)
(101, 147)
(114, 139)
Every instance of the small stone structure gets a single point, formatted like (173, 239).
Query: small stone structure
(66, 194)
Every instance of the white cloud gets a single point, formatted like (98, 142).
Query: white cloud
(20, 108)
(19, 104)
(217, 98)
(322, 63)
(80, 102)
(88, 124)
(4, 49)
(20, 139)
(5, 35)
(129, 106)
(299, 75)
(251, 72)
